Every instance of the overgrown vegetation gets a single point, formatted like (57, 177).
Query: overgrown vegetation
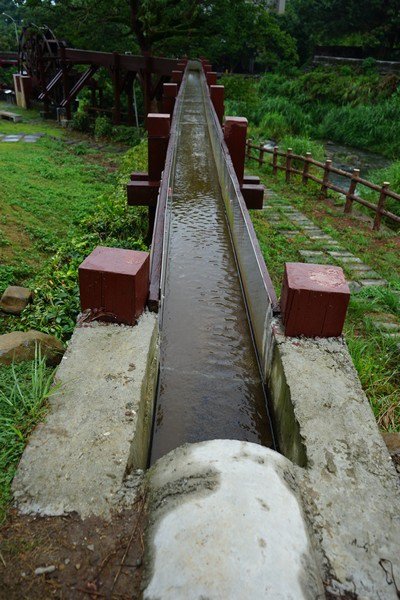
(357, 109)
(57, 203)
(24, 391)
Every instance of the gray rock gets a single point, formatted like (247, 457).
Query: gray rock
(20, 345)
(44, 570)
(15, 299)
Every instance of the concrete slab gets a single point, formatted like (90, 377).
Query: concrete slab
(98, 427)
(11, 138)
(226, 522)
(349, 486)
(372, 282)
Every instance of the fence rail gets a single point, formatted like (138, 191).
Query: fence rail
(327, 168)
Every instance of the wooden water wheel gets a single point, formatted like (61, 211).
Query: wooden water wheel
(38, 54)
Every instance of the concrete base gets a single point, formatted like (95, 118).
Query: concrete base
(98, 427)
(226, 522)
(349, 486)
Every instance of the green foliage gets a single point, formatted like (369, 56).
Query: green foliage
(127, 135)
(102, 127)
(301, 145)
(355, 109)
(109, 223)
(375, 127)
(81, 121)
(24, 391)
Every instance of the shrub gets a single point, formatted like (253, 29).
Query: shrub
(102, 127)
(127, 135)
(81, 121)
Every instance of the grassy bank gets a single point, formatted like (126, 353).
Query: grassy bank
(58, 202)
(348, 107)
(375, 355)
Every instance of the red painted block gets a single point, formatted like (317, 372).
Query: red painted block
(207, 67)
(139, 176)
(251, 179)
(158, 124)
(314, 300)
(211, 77)
(253, 195)
(235, 134)
(176, 77)
(170, 92)
(142, 193)
(158, 128)
(217, 95)
(115, 283)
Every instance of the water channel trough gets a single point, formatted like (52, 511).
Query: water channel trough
(210, 386)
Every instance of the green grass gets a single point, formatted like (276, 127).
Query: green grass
(31, 122)
(47, 190)
(24, 391)
(375, 356)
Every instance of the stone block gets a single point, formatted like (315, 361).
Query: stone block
(314, 300)
(21, 345)
(15, 299)
(114, 284)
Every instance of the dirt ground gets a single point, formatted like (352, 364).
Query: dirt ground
(90, 558)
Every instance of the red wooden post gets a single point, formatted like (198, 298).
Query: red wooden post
(211, 77)
(170, 92)
(314, 300)
(176, 77)
(306, 168)
(158, 129)
(381, 206)
(217, 94)
(325, 180)
(288, 164)
(348, 207)
(235, 133)
(275, 161)
(114, 284)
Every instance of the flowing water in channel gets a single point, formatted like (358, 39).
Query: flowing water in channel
(210, 385)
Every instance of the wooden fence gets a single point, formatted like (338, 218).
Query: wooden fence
(327, 168)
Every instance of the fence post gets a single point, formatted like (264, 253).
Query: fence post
(248, 143)
(325, 180)
(381, 206)
(348, 207)
(306, 167)
(275, 161)
(261, 154)
(288, 164)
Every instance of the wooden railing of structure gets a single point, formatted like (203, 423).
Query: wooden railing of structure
(327, 168)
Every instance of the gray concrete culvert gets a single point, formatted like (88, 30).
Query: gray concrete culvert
(225, 523)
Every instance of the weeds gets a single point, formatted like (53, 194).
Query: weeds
(24, 391)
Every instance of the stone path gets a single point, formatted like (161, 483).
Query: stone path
(21, 137)
(291, 222)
